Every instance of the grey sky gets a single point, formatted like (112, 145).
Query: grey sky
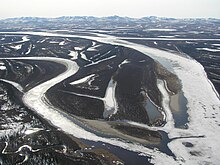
(131, 8)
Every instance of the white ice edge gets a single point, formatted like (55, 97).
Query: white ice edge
(32, 130)
(209, 49)
(16, 85)
(109, 94)
(25, 38)
(111, 106)
(3, 67)
(29, 49)
(165, 30)
(83, 56)
(54, 42)
(216, 44)
(203, 105)
(165, 36)
(79, 48)
(62, 43)
(74, 55)
(82, 80)
(172, 39)
(97, 62)
(165, 103)
(165, 84)
(93, 48)
(17, 47)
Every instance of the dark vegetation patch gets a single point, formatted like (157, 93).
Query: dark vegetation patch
(88, 108)
(29, 73)
(47, 146)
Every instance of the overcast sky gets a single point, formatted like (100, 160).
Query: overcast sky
(131, 8)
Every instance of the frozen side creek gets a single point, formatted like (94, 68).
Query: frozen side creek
(110, 100)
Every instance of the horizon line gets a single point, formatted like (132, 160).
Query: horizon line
(108, 16)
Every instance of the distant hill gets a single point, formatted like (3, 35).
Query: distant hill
(92, 18)
(90, 22)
